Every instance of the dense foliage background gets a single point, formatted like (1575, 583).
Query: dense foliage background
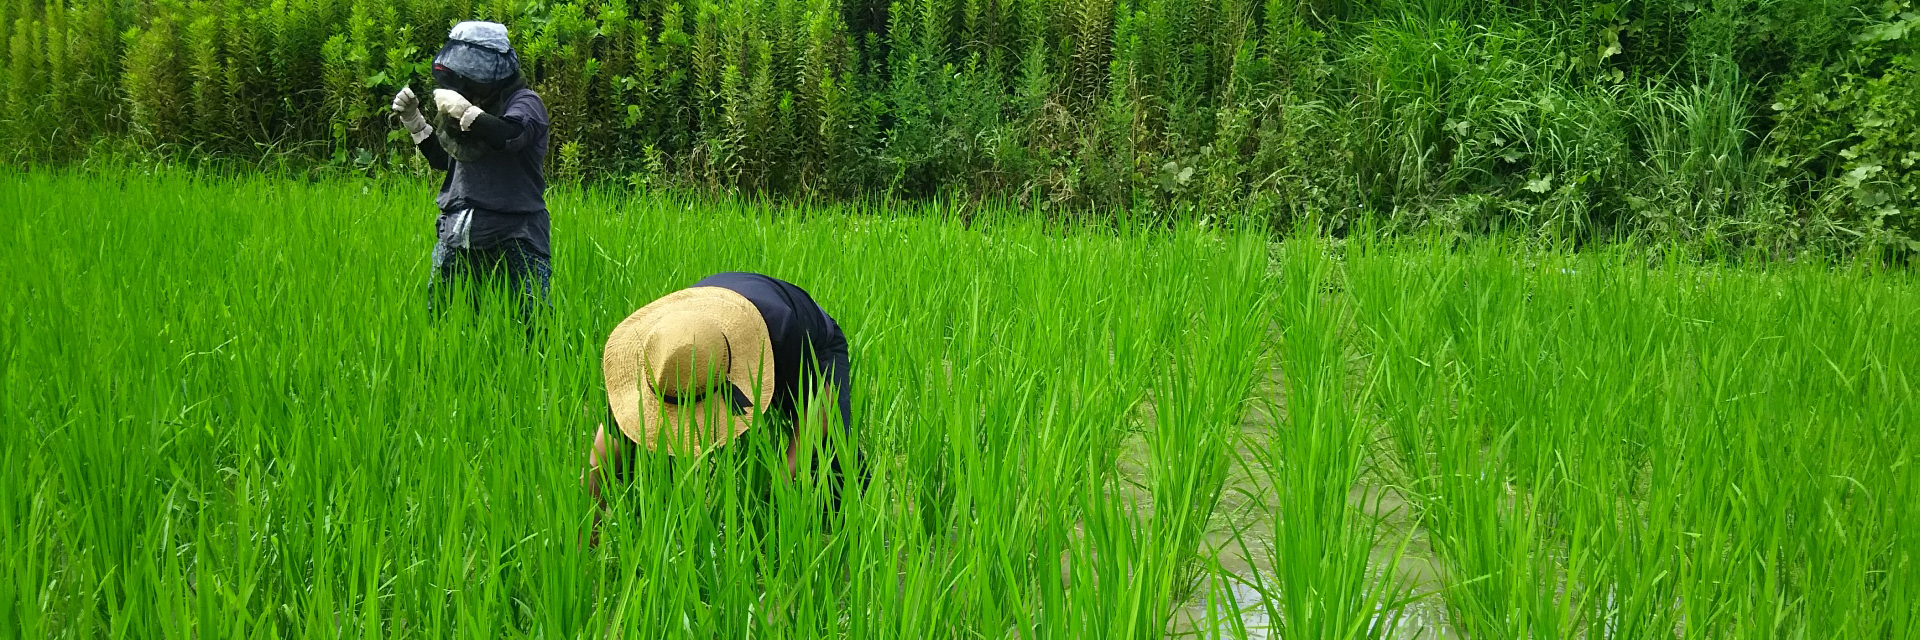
(1781, 125)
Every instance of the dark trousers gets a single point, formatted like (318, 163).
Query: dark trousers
(512, 265)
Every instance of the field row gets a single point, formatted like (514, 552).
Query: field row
(231, 415)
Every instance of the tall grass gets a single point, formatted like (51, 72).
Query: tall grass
(1326, 581)
(233, 416)
(236, 417)
(1600, 448)
(1728, 124)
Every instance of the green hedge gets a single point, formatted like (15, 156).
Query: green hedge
(1778, 124)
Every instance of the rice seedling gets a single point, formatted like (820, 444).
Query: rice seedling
(235, 416)
(231, 415)
(1604, 449)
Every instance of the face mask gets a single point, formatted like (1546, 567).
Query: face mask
(477, 72)
(447, 79)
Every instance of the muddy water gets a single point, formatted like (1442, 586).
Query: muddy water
(1244, 560)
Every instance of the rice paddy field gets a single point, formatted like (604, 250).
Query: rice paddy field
(229, 413)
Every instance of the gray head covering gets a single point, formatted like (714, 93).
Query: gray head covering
(480, 63)
(491, 35)
(479, 53)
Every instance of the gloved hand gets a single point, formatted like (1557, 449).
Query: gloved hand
(456, 107)
(408, 108)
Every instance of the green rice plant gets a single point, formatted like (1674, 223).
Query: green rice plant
(216, 441)
(1326, 581)
(1603, 449)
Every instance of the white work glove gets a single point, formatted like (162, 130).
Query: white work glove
(408, 108)
(456, 107)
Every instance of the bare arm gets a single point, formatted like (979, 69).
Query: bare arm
(603, 456)
(606, 452)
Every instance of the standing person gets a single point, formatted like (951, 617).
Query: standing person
(490, 136)
(691, 372)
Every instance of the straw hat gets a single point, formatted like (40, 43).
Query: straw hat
(689, 371)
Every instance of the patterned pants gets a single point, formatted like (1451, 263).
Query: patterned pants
(526, 275)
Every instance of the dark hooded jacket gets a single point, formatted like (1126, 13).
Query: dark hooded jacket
(497, 167)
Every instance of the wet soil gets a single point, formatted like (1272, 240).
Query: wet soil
(1240, 539)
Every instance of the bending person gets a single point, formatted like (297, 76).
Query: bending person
(699, 368)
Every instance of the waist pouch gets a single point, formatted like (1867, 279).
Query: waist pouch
(456, 229)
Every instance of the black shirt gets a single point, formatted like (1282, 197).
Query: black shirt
(506, 186)
(808, 347)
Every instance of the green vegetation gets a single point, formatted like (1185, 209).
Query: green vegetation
(1656, 452)
(1779, 126)
(229, 414)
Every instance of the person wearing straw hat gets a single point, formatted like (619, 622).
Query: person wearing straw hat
(698, 368)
